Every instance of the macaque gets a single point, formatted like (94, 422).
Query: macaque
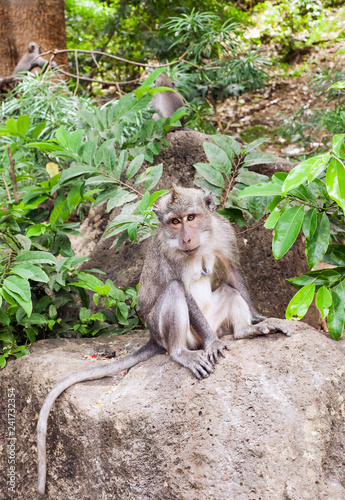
(190, 294)
(166, 102)
(31, 59)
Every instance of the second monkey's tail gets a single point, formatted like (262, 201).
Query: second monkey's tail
(143, 354)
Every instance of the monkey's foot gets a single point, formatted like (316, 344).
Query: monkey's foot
(261, 329)
(215, 349)
(196, 361)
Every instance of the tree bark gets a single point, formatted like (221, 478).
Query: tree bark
(25, 21)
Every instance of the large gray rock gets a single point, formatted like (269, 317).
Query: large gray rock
(269, 423)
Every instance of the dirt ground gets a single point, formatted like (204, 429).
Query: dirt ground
(261, 114)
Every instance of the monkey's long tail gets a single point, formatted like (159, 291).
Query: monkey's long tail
(143, 354)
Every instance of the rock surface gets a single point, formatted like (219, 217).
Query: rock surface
(269, 424)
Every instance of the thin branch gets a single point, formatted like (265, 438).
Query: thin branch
(124, 184)
(214, 106)
(150, 65)
(13, 175)
(87, 79)
(77, 70)
(251, 228)
(6, 186)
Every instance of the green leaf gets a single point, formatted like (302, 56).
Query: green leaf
(120, 198)
(9, 295)
(73, 172)
(272, 219)
(255, 144)
(134, 166)
(317, 245)
(299, 174)
(35, 257)
(121, 164)
(30, 271)
(18, 285)
(287, 230)
(218, 158)
(31, 334)
(336, 317)
(318, 167)
(299, 304)
(264, 189)
(38, 129)
(309, 223)
(154, 196)
(323, 300)
(11, 125)
(338, 144)
(62, 136)
(2, 361)
(210, 174)
(258, 158)
(23, 124)
(335, 182)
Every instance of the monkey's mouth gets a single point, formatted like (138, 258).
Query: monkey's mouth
(193, 251)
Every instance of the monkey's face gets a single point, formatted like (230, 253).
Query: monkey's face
(185, 231)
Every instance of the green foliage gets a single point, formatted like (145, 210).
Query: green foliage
(227, 174)
(42, 289)
(312, 197)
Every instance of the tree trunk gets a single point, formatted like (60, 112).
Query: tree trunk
(25, 21)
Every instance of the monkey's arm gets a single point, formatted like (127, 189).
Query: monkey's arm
(143, 354)
(236, 281)
(212, 345)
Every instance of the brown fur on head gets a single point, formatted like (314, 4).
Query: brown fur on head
(164, 81)
(183, 199)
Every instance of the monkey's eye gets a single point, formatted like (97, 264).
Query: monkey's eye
(191, 217)
(175, 221)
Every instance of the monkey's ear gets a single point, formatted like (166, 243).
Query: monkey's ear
(209, 200)
(158, 214)
(31, 48)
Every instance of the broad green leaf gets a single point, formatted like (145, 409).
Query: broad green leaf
(258, 158)
(210, 174)
(335, 182)
(11, 125)
(323, 300)
(35, 257)
(150, 79)
(134, 166)
(309, 223)
(256, 206)
(338, 144)
(287, 230)
(62, 136)
(217, 157)
(299, 304)
(341, 291)
(30, 272)
(120, 198)
(9, 295)
(317, 245)
(272, 219)
(318, 167)
(56, 213)
(154, 196)
(120, 164)
(144, 203)
(38, 129)
(336, 317)
(23, 124)
(73, 172)
(265, 189)
(255, 144)
(18, 285)
(299, 174)
(2, 361)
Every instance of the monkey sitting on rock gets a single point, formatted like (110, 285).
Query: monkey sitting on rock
(190, 294)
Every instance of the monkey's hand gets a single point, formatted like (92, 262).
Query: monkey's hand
(261, 329)
(215, 349)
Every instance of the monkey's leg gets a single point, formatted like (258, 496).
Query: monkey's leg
(212, 345)
(170, 321)
(230, 306)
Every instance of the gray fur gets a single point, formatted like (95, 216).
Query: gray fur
(31, 59)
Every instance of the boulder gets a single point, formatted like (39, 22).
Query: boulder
(268, 424)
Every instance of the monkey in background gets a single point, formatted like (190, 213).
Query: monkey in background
(166, 102)
(31, 59)
(190, 294)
